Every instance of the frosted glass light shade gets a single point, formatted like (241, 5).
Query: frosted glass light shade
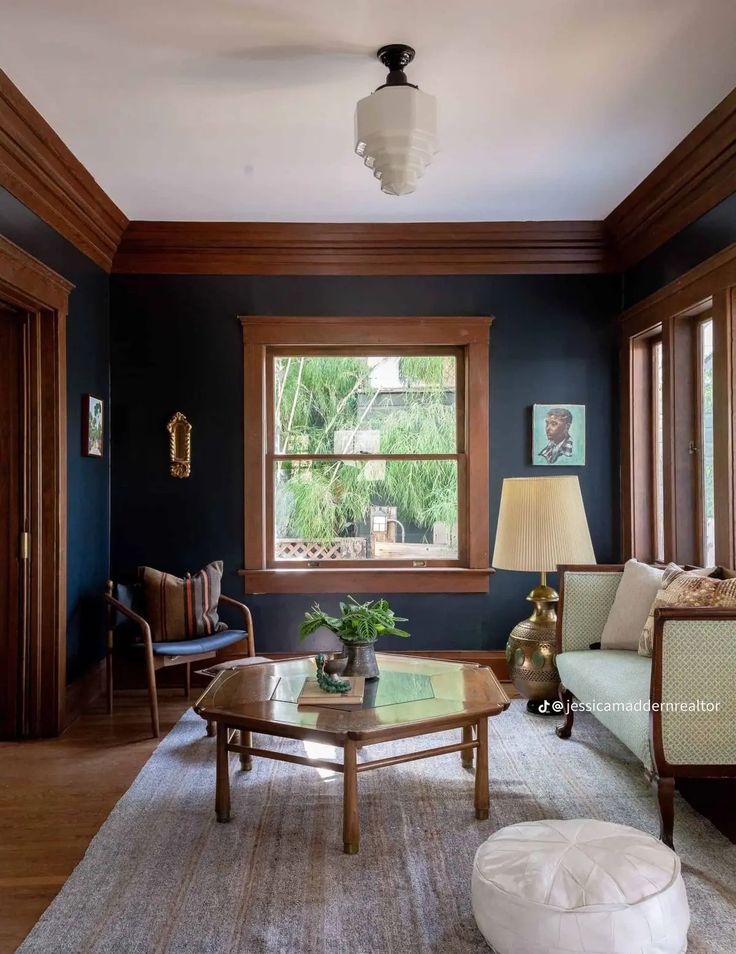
(541, 523)
(395, 134)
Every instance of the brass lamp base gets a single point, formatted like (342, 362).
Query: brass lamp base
(530, 651)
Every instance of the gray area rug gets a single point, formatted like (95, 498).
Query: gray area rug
(163, 876)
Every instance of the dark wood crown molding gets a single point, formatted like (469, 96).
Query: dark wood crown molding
(39, 170)
(698, 174)
(437, 248)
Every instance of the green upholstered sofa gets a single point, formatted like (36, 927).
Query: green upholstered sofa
(648, 703)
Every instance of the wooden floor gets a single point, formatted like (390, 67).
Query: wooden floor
(55, 795)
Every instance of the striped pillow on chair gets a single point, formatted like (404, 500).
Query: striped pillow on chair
(182, 609)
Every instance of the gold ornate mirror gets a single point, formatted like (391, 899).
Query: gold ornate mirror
(180, 445)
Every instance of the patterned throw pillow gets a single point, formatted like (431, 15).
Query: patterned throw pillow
(684, 588)
(182, 609)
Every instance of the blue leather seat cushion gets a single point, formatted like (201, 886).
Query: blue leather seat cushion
(200, 644)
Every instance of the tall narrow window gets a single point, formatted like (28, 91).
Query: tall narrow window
(704, 441)
(657, 449)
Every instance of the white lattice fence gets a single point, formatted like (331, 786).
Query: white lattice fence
(342, 548)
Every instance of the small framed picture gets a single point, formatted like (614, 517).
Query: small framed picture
(558, 435)
(93, 423)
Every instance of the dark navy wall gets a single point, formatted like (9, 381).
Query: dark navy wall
(711, 233)
(176, 345)
(87, 372)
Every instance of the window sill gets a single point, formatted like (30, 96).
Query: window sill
(384, 580)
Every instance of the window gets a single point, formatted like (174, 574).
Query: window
(366, 454)
(704, 441)
(365, 457)
(657, 419)
(679, 421)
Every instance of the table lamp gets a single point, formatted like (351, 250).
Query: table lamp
(541, 523)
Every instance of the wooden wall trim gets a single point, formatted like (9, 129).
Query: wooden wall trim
(435, 248)
(84, 691)
(35, 278)
(41, 172)
(698, 174)
(43, 296)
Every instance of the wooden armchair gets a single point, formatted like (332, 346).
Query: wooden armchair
(124, 601)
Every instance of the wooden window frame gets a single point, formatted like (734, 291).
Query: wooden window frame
(656, 399)
(467, 338)
(697, 438)
(675, 312)
(639, 484)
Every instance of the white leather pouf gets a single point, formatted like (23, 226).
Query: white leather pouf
(568, 887)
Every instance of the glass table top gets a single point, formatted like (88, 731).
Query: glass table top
(409, 691)
(390, 689)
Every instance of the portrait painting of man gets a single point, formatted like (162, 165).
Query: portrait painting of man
(558, 437)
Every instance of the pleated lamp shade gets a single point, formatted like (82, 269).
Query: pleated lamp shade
(541, 523)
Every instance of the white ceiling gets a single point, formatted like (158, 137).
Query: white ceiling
(239, 110)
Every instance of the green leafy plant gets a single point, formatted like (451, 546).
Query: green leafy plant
(358, 622)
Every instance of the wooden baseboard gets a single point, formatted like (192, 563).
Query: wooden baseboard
(84, 691)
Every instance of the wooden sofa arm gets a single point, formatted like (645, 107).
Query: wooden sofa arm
(693, 718)
(247, 620)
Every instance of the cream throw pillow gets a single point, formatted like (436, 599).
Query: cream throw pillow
(688, 589)
(636, 592)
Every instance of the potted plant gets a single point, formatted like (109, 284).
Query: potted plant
(358, 627)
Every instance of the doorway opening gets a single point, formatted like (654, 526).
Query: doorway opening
(33, 504)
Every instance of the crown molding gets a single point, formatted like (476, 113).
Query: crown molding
(698, 174)
(436, 248)
(41, 172)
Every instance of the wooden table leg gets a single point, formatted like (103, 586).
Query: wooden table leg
(222, 786)
(350, 821)
(246, 761)
(467, 754)
(482, 798)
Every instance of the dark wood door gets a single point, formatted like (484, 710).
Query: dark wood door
(13, 523)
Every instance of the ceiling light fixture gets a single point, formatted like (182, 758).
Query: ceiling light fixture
(396, 127)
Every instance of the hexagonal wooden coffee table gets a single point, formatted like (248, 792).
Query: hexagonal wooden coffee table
(412, 697)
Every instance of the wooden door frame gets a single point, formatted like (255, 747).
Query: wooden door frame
(44, 296)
